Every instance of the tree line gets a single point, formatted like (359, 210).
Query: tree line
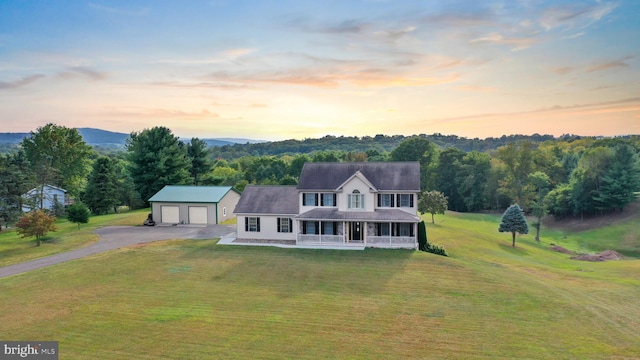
(568, 176)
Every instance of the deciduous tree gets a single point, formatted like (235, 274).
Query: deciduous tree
(59, 157)
(513, 221)
(433, 202)
(540, 185)
(35, 223)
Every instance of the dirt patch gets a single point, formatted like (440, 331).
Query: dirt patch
(560, 249)
(603, 256)
(632, 211)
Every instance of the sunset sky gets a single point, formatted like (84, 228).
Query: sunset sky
(284, 69)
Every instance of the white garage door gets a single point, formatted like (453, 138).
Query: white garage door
(170, 214)
(197, 215)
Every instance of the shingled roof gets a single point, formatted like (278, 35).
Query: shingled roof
(392, 176)
(268, 199)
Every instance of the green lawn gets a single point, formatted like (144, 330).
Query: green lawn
(198, 300)
(14, 249)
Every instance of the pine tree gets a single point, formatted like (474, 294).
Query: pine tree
(199, 157)
(102, 189)
(513, 221)
(158, 158)
(78, 213)
(620, 181)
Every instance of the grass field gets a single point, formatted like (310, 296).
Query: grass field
(198, 300)
(14, 249)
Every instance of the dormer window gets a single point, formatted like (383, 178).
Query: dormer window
(356, 200)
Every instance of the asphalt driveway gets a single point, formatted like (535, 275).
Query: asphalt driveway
(115, 237)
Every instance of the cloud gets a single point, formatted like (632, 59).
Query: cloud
(84, 72)
(333, 77)
(563, 70)
(147, 113)
(9, 85)
(476, 88)
(622, 105)
(229, 55)
(605, 65)
(574, 16)
(497, 38)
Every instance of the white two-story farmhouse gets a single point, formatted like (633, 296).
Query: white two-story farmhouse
(336, 204)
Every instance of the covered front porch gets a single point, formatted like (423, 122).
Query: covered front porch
(383, 229)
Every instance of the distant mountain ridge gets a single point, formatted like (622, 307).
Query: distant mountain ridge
(116, 140)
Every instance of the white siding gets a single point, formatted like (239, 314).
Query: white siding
(268, 228)
(356, 184)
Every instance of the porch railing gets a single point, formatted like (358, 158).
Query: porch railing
(380, 241)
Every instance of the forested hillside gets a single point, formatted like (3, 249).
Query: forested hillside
(378, 143)
(565, 177)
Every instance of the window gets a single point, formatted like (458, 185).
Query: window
(328, 199)
(329, 228)
(309, 199)
(252, 224)
(285, 225)
(385, 200)
(224, 211)
(356, 200)
(310, 227)
(383, 229)
(403, 229)
(405, 200)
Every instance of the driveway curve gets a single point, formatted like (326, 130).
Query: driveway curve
(115, 237)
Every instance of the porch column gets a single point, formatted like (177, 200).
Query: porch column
(344, 232)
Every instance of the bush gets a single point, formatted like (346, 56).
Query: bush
(424, 245)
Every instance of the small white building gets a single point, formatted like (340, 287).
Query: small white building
(175, 204)
(44, 197)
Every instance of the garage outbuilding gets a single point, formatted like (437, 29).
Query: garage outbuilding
(176, 204)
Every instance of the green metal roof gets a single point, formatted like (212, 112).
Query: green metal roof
(191, 194)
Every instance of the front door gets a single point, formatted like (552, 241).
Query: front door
(355, 232)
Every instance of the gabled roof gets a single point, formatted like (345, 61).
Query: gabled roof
(46, 187)
(191, 194)
(268, 199)
(362, 178)
(385, 176)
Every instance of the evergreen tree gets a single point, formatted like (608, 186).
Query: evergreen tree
(16, 179)
(102, 189)
(513, 221)
(157, 159)
(620, 180)
(78, 213)
(199, 157)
